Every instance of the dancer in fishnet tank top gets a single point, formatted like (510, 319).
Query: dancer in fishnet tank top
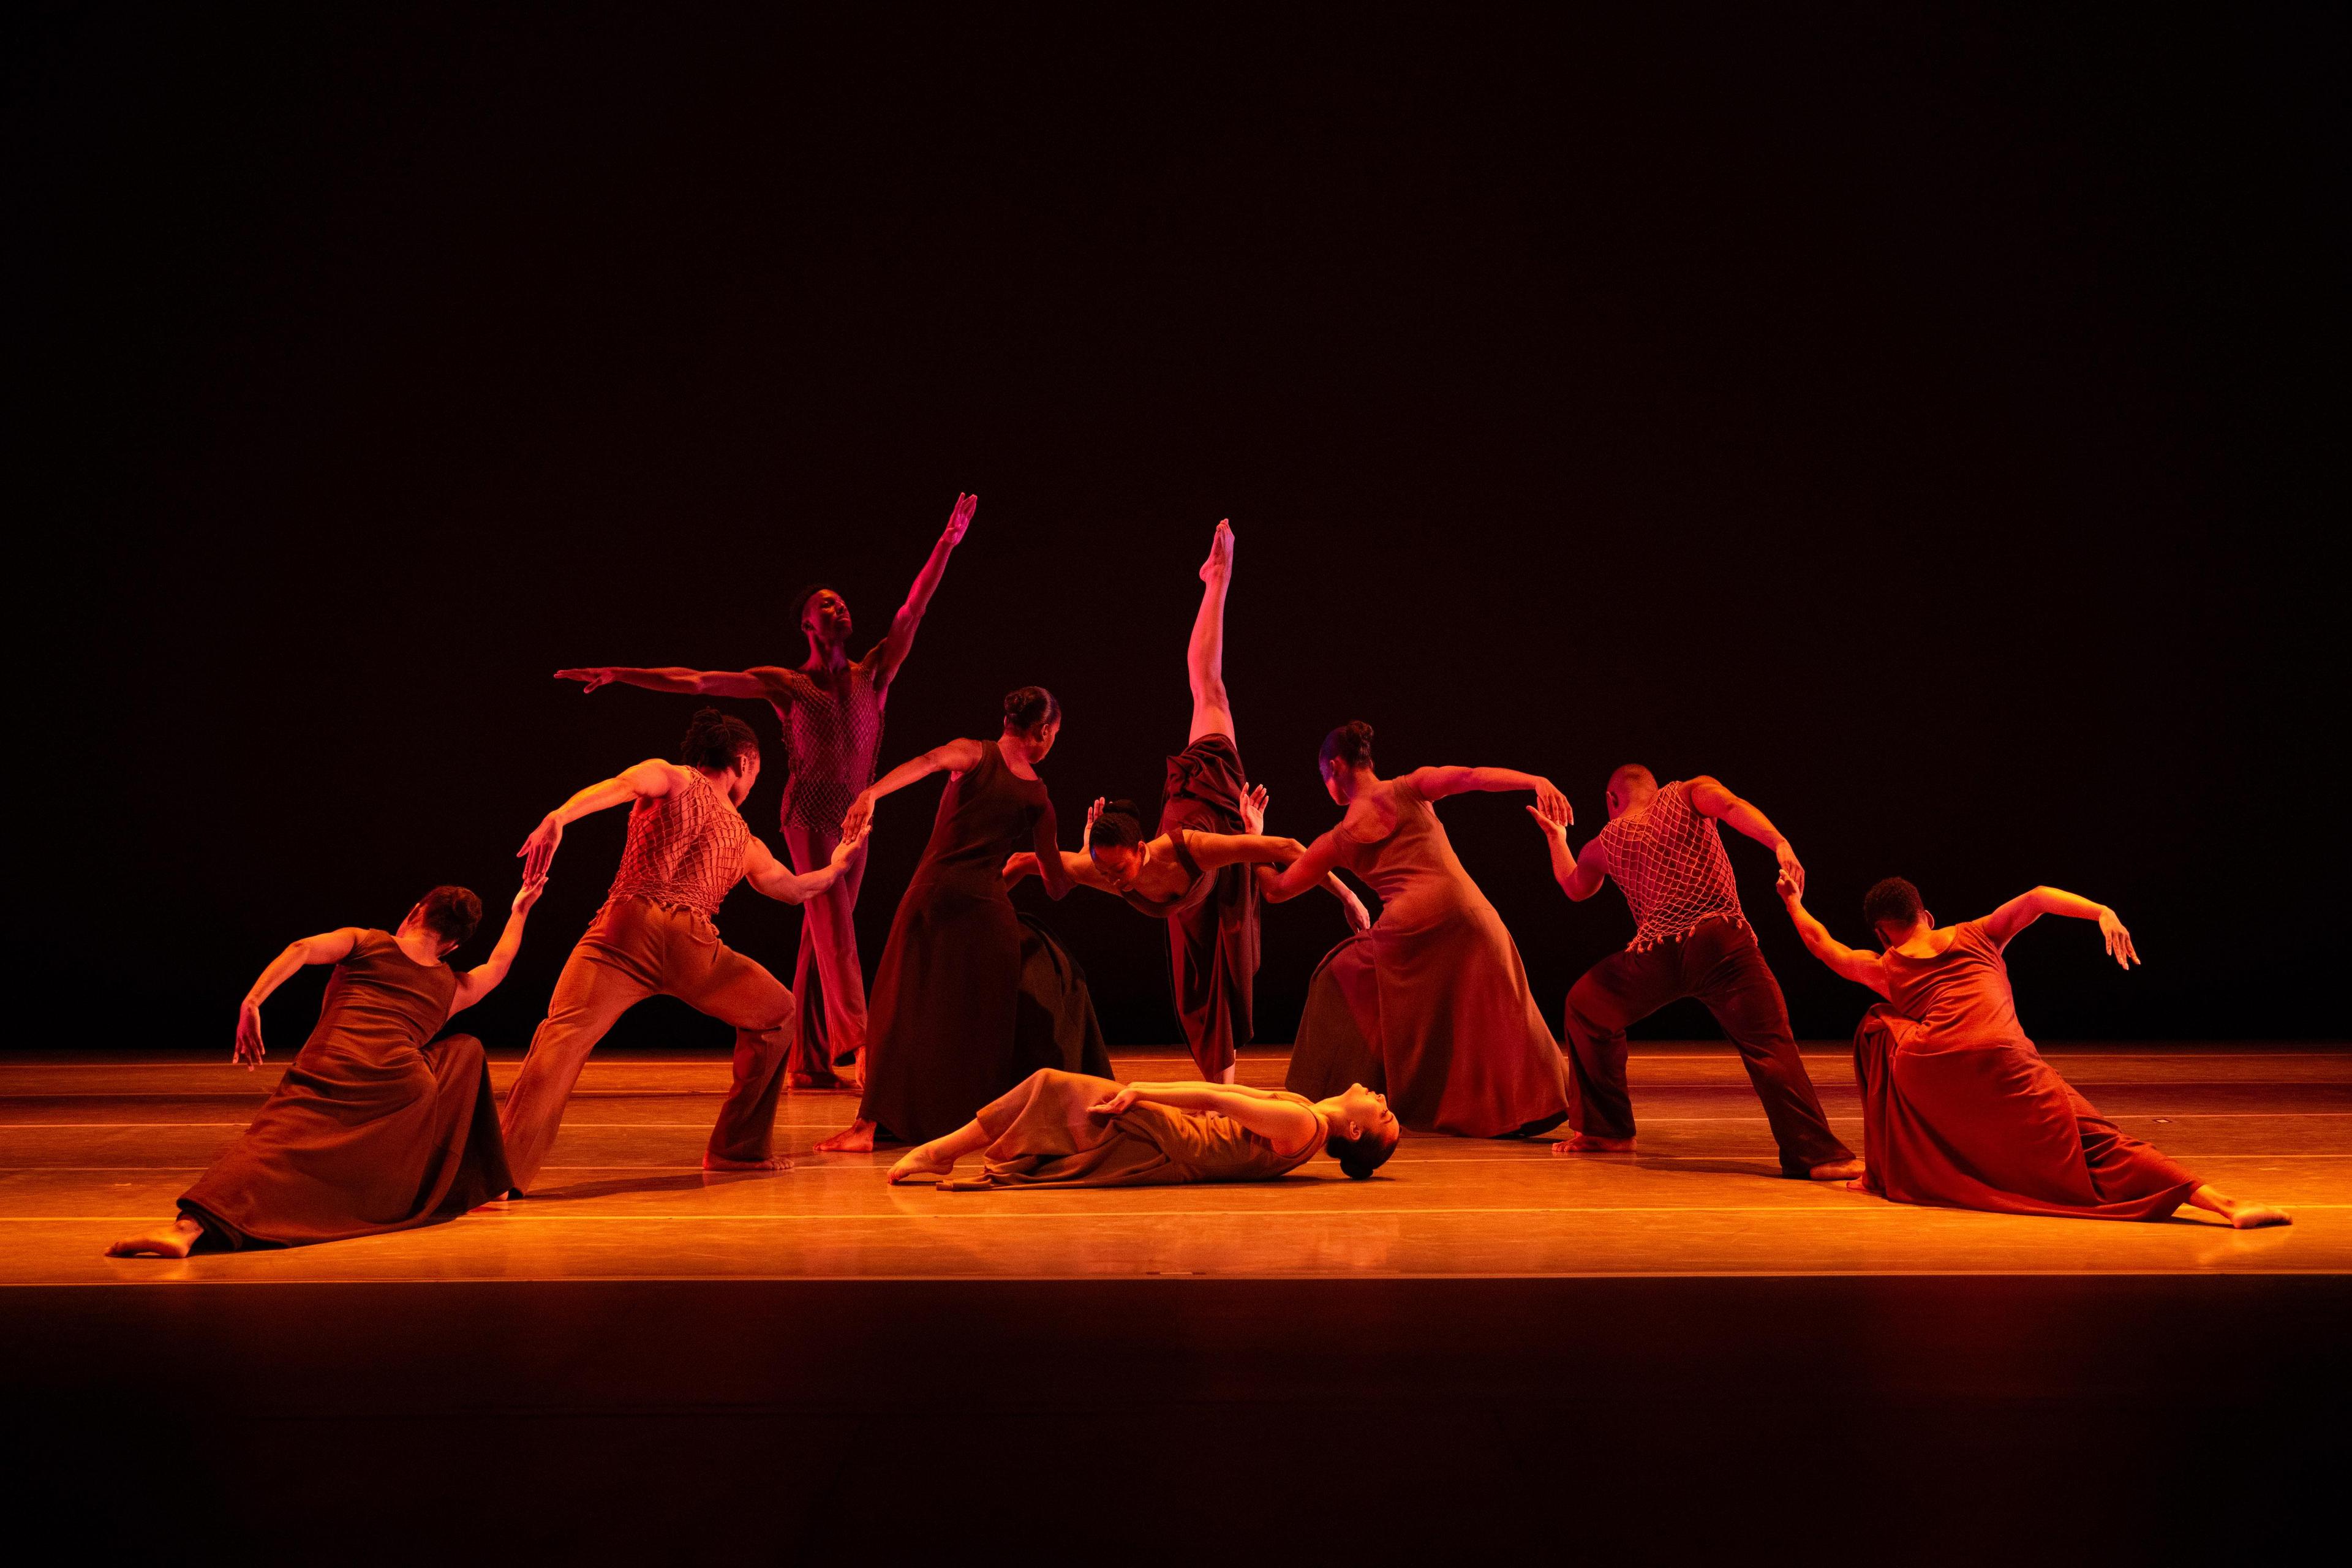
(1664, 851)
(832, 712)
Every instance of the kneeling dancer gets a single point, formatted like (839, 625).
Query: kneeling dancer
(1959, 1109)
(687, 847)
(372, 1129)
(1075, 1130)
(1663, 849)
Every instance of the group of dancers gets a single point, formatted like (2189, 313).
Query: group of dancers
(979, 1037)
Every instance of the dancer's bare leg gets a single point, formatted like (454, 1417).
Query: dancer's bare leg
(938, 1156)
(2238, 1213)
(1204, 658)
(173, 1240)
(857, 1137)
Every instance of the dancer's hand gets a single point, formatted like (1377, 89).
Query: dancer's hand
(1253, 799)
(1021, 865)
(1220, 562)
(249, 1051)
(590, 676)
(528, 894)
(1790, 888)
(851, 842)
(1793, 870)
(1554, 823)
(1087, 838)
(859, 816)
(959, 519)
(539, 849)
(1113, 1104)
(1555, 802)
(2119, 942)
(1359, 919)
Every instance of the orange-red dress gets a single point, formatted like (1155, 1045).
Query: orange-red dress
(1045, 1132)
(1959, 1109)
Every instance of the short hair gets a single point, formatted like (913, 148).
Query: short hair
(801, 600)
(1367, 1151)
(1893, 900)
(717, 740)
(1029, 706)
(1352, 743)
(1630, 772)
(450, 913)
(1120, 826)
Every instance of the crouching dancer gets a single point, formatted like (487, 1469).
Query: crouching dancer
(376, 1126)
(1959, 1109)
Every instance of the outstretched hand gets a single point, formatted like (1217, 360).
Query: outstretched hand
(859, 817)
(1253, 799)
(1016, 866)
(1113, 1104)
(2119, 942)
(249, 1051)
(1793, 870)
(539, 850)
(1359, 919)
(1086, 838)
(528, 894)
(960, 518)
(590, 676)
(1554, 823)
(1790, 888)
(852, 842)
(1555, 803)
(1220, 562)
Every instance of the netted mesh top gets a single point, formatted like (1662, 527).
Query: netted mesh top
(685, 850)
(1669, 863)
(834, 736)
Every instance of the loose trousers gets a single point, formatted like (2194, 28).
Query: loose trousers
(826, 976)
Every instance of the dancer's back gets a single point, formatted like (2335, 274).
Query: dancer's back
(1962, 994)
(685, 850)
(1412, 866)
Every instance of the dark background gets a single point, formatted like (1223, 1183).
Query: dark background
(1927, 423)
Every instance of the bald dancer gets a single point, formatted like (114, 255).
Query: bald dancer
(1664, 851)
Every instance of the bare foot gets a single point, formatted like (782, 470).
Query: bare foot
(1221, 551)
(2254, 1216)
(1860, 1184)
(718, 1163)
(1587, 1143)
(857, 1137)
(801, 1080)
(921, 1161)
(173, 1240)
(1836, 1171)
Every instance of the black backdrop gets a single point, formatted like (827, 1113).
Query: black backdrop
(1920, 423)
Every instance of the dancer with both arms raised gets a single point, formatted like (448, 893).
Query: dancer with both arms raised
(1959, 1109)
(832, 711)
(1206, 871)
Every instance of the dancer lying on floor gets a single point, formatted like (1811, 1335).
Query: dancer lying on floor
(372, 1129)
(1076, 1130)
(1959, 1109)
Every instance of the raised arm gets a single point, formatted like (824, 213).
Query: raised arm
(327, 947)
(1211, 850)
(1862, 968)
(2026, 908)
(1253, 808)
(1436, 783)
(955, 757)
(778, 882)
(1309, 870)
(909, 619)
(1284, 1123)
(1579, 876)
(1708, 798)
(763, 683)
(648, 779)
(483, 978)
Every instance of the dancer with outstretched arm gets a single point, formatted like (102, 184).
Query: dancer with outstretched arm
(1432, 1003)
(971, 997)
(1070, 1129)
(1958, 1108)
(375, 1126)
(657, 936)
(1663, 849)
(831, 708)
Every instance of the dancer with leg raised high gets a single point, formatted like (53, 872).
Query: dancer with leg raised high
(1959, 1109)
(832, 710)
(376, 1126)
(1431, 1002)
(1205, 872)
(1663, 849)
(655, 936)
(971, 998)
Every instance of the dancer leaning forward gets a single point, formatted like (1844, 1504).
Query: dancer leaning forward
(376, 1126)
(1959, 1109)
(687, 847)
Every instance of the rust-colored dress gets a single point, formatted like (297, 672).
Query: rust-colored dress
(1431, 1006)
(1044, 1133)
(372, 1127)
(1959, 1109)
(971, 998)
(1212, 942)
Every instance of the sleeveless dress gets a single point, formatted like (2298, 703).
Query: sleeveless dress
(372, 1129)
(1045, 1134)
(971, 997)
(1431, 1006)
(1959, 1109)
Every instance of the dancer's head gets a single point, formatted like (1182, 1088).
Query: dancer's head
(1116, 842)
(1347, 755)
(1894, 911)
(724, 748)
(449, 915)
(821, 614)
(1033, 719)
(1363, 1130)
(1630, 789)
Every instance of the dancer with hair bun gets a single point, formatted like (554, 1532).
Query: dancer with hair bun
(1958, 1107)
(831, 707)
(376, 1126)
(971, 996)
(657, 936)
(1431, 1002)
(1069, 1130)
(1205, 872)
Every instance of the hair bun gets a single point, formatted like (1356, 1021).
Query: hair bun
(1359, 728)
